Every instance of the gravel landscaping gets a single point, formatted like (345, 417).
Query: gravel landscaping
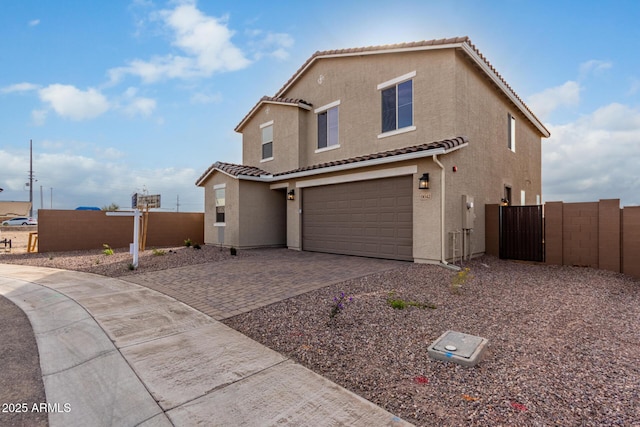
(563, 341)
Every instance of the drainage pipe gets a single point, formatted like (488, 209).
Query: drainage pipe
(442, 210)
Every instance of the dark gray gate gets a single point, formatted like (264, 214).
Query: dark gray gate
(522, 233)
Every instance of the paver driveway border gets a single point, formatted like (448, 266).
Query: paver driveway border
(257, 278)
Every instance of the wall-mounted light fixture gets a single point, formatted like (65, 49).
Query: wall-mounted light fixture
(291, 195)
(423, 182)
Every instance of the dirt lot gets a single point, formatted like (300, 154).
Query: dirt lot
(19, 236)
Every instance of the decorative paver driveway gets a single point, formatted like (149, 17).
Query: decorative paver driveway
(257, 278)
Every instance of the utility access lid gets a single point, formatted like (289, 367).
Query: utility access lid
(457, 347)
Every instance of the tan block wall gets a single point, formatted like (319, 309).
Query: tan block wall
(64, 230)
(598, 234)
(580, 234)
(609, 244)
(631, 241)
(553, 237)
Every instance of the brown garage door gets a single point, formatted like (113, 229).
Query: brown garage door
(367, 218)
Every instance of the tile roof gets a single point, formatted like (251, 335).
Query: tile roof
(446, 144)
(425, 44)
(273, 100)
(370, 49)
(251, 171)
(233, 170)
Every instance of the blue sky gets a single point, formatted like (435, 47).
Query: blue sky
(131, 96)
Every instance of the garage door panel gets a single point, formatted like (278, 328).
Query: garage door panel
(367, 218)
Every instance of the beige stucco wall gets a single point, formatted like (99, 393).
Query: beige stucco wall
(255, 215)
(353, 81)
(287, 120)
(231, 229)
(262, 215)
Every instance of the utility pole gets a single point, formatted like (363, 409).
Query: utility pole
(31, 177)
(178, 203)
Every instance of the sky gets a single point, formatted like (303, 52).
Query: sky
(139, 96)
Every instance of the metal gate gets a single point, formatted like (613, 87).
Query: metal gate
(522, 233)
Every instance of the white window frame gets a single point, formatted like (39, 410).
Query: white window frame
(323, 109)
(395, 82)
(215, 202)
(523, 198)
(511, 130)
(262, 126)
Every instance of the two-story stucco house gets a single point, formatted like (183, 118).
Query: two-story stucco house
(384, 151)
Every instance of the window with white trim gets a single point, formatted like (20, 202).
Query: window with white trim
(267, 140)
(397, 103)
(512, 133)
(328, 126)
(219, 191)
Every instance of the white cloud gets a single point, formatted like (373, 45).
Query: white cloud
(140, 107)
(73, 103)
(205, 42)
(137, 105)
(275, 45)
(80, 180)
(543, 103)
(204, 98)
(594, 66)
(19, 87)
(38, 117)
(594, 157)
(34, 22)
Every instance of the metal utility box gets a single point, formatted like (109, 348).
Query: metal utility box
(463, 349)
(468, 212)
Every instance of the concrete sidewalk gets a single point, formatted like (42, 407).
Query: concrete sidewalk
(115, 353)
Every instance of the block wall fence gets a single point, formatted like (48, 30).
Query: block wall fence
(70, 230)
(591, 234)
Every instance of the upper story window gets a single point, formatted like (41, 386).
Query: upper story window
(328, 126)
(267, 140)
(219, 191)
(397, 103)
(512, 133)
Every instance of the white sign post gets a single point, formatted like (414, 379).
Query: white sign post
(136, 214)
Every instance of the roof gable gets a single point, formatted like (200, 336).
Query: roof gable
(233, 170)
(463, 44)
(300, 103)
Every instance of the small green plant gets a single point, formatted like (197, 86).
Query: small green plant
(197, 246)
(400, 304)
(158, 252)
(461, 277)
(132, 267)
(107, 249)
(188, 243)
(339, 304)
